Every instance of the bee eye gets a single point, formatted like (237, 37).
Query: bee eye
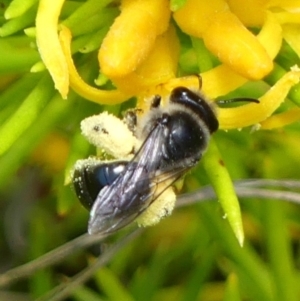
(180, 94)
(197, 104)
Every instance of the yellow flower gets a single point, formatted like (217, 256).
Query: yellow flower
(141, 51)
(147, 47)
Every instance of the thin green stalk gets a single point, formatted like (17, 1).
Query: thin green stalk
(19, 23)
(294, 94)
(112, 286)
(14, 158)
(86, 10)
(279, 251)
(223, 186)
(18, 90)
(176, 4)
(203, 55)
(26, 114)
(275, 75)
(69, 7)
(96, 22)
(41, 281)
(200, 274)
(17, 55)
(17, 8)
(95, 41)
(232, 289)
(244, 257)
(83, 293)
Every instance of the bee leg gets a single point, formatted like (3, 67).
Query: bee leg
(130, 118)
(156, 101)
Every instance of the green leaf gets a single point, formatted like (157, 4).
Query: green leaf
(279, 251)
(26, 114)
(224, 189)
(176, 4)
(232, 289)
(111, 285)
(18, 7)
(86, 294)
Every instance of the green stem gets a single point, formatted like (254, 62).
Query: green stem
(26, 114)
(18, 7)
(17, 55)
(247, 262)
(89, 9)
(95, 22)
(95, 40)
(275, 75)
(223, 186)
(279, 251)
(232, 289)
(15, 157)
(19, 23)
(203, 55)
(18, 90)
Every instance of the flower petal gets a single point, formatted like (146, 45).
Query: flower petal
(77, 83)
(49, 45)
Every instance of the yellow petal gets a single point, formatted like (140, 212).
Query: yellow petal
(270, 35)
(288, 5)
(132, 36)
(281, 120)
(237, 47)
(250, 12)
(76, 82)
(225, 36)
(255, 113)
(159, 67)
(49, 45)
(220, 81)
(287, 17)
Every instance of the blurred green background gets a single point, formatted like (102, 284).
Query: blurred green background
(192, 255)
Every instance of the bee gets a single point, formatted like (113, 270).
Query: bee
(170, 140)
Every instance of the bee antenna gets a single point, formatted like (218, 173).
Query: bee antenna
(225, 101)
(199, 77)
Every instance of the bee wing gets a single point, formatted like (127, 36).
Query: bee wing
(142, 181)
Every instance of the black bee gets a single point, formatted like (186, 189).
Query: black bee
(174, 139)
